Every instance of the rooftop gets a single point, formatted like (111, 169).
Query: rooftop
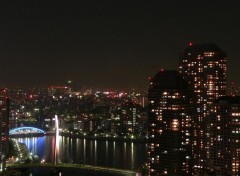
(169, 79)
(209, 47)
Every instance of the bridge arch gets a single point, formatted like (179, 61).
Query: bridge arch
(26, 130)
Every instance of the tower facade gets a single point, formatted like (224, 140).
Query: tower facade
(4, 127)
(204, 68)
(225, 136)
(169, 125)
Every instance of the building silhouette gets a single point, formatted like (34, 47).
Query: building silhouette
(4, 127)
(169, 125)
(204, 67)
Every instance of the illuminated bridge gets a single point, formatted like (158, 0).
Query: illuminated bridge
(26, 131)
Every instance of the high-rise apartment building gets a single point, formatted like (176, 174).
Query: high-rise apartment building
(224, 125)
(4, 126)
(169, 125)
(233, 89)
(204, 67)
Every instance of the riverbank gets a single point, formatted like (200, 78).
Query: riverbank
(65, 169)
(106, 138)
(101, 137)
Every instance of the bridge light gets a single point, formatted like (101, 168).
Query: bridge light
(25, 130)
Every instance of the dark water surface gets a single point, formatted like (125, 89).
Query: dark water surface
(115, 154)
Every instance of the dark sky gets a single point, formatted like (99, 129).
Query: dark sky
(109, 43)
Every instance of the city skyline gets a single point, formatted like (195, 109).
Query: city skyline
(109, 44)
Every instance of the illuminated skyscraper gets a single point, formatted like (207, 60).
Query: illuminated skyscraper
(204, 67)
(225, 136)
(4, 122)
(4, 126)
(169, 125)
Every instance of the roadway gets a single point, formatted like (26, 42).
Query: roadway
(78, 166)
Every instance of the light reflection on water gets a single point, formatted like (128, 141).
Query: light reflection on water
(34, 144)
(124, 155)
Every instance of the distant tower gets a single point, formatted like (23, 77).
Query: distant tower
(225, 136)
(169, 125)
(4, 127)
(204, 67)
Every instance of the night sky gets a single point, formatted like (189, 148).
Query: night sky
(116, 44)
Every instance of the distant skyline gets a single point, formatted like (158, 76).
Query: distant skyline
(113, 44)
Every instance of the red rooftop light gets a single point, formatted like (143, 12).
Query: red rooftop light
(190, 43)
